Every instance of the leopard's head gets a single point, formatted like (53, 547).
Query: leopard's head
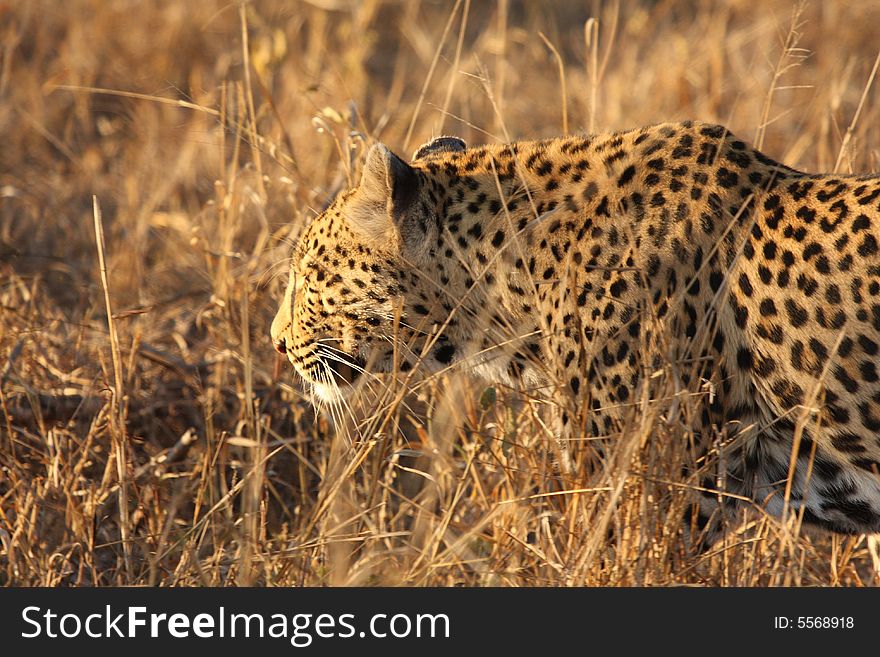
(363, 293)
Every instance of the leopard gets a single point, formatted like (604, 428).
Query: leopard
(581, 265)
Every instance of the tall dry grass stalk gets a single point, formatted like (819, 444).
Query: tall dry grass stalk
(117, 404)
(211, 133)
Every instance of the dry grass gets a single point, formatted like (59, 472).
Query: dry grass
(163, 443)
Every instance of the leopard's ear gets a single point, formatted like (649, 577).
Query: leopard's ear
(388, 190)
(445, 144)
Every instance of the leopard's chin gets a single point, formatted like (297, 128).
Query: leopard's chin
(331, 394)
(333, 390)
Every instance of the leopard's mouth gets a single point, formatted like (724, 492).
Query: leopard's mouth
(326, 363)
(344, 368)
(331, 372)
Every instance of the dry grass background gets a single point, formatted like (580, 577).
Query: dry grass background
(181, 451)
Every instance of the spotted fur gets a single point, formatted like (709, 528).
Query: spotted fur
(598, 260)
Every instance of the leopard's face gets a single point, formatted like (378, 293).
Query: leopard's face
(337, 315)
(354, 279)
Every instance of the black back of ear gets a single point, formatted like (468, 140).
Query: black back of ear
(445, 144)
(403, 181)
(389, 180)
(387, 194)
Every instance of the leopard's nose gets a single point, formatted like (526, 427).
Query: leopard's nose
(280, 345)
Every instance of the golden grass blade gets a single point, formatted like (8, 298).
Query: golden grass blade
(118, 424)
